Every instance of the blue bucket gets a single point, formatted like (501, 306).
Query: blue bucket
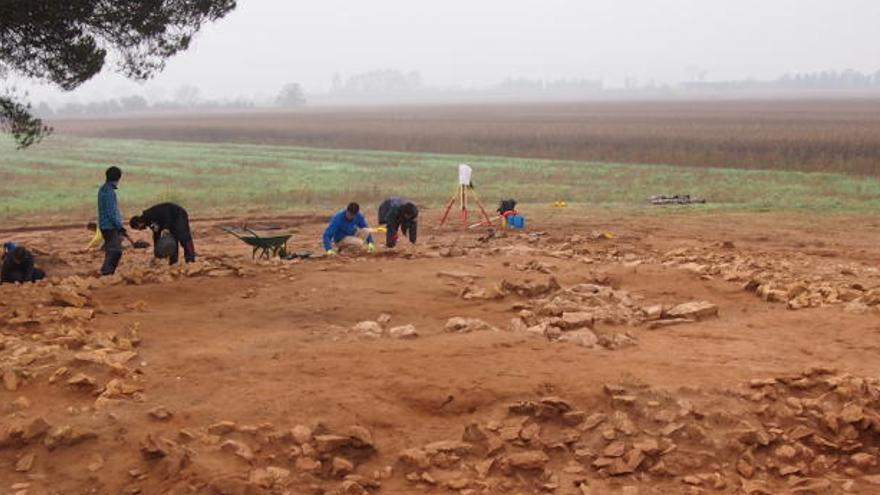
(517, 221)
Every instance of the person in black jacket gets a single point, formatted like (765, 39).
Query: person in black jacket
(398, 213)
(18, 266)
(172, 218)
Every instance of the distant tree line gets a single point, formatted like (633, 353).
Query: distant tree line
(557, 87)
(827, 79)
(377, 82)
(185, 98)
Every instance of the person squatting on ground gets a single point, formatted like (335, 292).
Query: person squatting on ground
(348, 229)
(398, 213)
(172, 218)
(110, 221)
(18, 265)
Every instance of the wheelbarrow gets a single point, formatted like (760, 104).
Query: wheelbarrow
(267, 246)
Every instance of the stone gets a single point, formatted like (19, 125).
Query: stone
(152, 448)
(456, 447)
(528, 460)
(221, 428)
(593, 421)
(416, 458)
(578, 319)
(459, 324)
(351, 487)
(786, 452)
(656, 325)
(654, 312)
(10, 380)
(696, 310)
(340, 466)
(403, 332)
(301, 434)
(384, 319)
(237, 448)
(36, 428)
(67, 436)
(474, 433)
(584, 338)
(160, 413)
(65, 296)
(77, 314)
(307, 464)
(518, 325)
(329, 443)
(614, 449)
(25, 463)
(852, 413)
(82, 381)
(649, 446)
(368, 327)
(863, 460)
(269, 477)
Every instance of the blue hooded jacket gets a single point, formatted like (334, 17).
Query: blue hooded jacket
(341, 227)
(109, 216)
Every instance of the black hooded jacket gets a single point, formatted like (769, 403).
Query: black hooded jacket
(391, 216)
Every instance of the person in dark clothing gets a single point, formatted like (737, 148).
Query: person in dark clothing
(110, 221)
(18, 266)
(398, 213)
(172, 218)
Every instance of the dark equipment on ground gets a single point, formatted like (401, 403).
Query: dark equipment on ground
(166, 246)
(676, 199)
(267, 246)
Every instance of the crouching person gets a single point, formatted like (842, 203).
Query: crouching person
(398, 214)
(172, 218)
(18, 266)
(348, 229)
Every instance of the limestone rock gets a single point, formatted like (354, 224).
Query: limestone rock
(528, 460)
(403, 332)
(368, 327)
(25, 463)
(697, 310)
(221, 428)
(301, 434)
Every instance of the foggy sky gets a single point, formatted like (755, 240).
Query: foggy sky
(266, 43)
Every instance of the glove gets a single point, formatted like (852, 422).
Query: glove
(331, 252)
(371, 248)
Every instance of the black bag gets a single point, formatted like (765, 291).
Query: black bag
(165, 246)
(506, 205)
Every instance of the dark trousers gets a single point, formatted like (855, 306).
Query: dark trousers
(181, 231)
(22, 277)
(112, 251)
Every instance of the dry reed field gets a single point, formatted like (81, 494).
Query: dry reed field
(822, 135)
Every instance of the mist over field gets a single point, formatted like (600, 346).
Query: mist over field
(397, 51)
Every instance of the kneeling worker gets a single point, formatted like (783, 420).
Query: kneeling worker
(348, 229)
(174, 219)
(398, 213)
(18, 266)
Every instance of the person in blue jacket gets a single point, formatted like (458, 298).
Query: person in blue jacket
(110, 221)
(348, 229)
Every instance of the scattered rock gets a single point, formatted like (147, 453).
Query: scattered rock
(532, 459)
(403, 332)
(160, 413)
(465, 325)
(697, 310)
(222, 428)
(25, 463)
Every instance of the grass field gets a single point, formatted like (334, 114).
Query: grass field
(60, 177)
(811, 135)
